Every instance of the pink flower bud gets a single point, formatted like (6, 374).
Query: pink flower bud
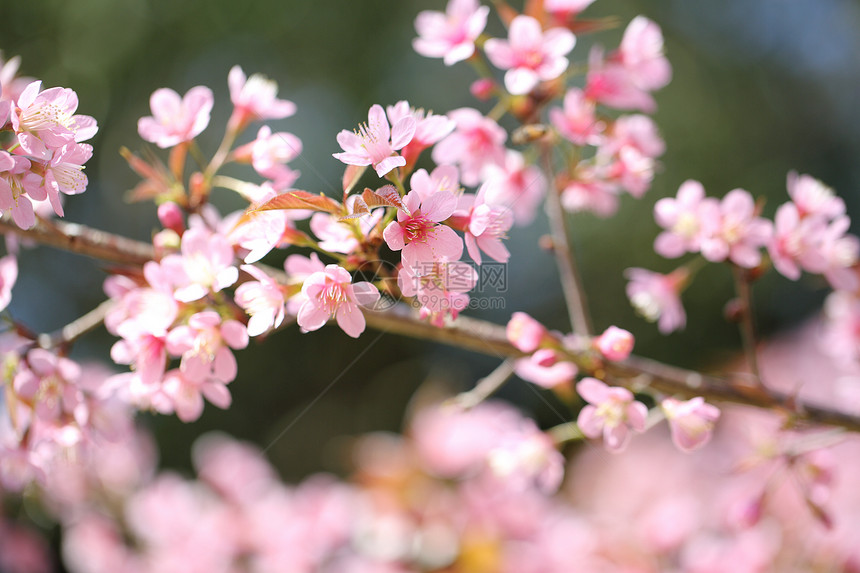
(525, 333)
(482, 88)
(614, 344)
(170, 216)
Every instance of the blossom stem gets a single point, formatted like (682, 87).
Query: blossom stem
(571, 282)
(567, 432)
(747, 324)
(394, 177)
(486, 386)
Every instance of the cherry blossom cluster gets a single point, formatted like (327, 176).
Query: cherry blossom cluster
(610, 412)
(56, 416)
(463, 488)
(41, 149)
(809, 233)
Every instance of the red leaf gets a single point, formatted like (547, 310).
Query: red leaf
(301, 200)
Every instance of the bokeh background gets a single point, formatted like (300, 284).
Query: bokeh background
(760, 87)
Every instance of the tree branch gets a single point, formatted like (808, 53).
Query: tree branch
(83, 240)
(472, 334)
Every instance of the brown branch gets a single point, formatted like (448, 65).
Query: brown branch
(562, 247)
(476, 335)
(636, 373)
(83, 240)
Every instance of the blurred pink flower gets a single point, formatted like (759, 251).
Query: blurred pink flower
(450, 36)
(812, 197)
(255, 98)
(683, 219)
(739, 233)
(611, 412)
(691, 421)
(530, 55)
(615, 343)
(657, 297)
(576, 121)
(515, 185)
(8, 276)
(175, 120)
(476, 142)
(546, 368)
(525, 333)
(262, 299)
(488, 225)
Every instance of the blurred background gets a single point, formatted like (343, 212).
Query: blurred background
(760, 87)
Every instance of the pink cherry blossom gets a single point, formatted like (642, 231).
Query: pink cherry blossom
(18, 186)
(591, 194)
(546, 368)
(376, 142)
(8, 276)
(812, 197)
(526, 457)
(576, 121)
(641, 53)
(612, 85)
(530, 55)
(262, 299)
(611, 412)
(46, 120)
(796, 242)
(564, 9)
(615, 343)
(516, 186)
(691, 421)
(657, 297)
(11, 85)
(64, 173)
(685, 220)
(488, 224)
(175, 120)
(739, 234)
(526, 333)
(450, 36)
(637, 131)
(477, 142)
(443, 178)
(331, 294)
(255, 98)
(429, 128)
(269, 153)
(203, 345)
(340, 237)
(435, 285)
(841, 253)
(418, 232)
(204, 265)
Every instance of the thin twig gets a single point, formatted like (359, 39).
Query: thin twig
(77, 328)
(486, 386)
(571, 282)
(747, 326)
